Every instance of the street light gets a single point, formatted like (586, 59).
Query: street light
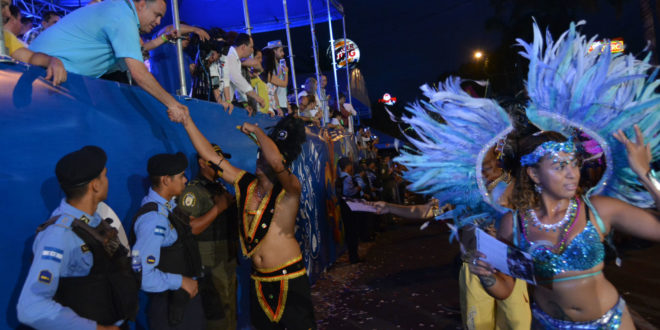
(479, 56)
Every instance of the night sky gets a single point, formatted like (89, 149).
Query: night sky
(405, 44)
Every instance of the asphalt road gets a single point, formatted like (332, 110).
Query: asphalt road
(409, 281)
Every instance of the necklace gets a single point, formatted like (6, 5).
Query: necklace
(259, 193)
(570, 213)
(563, 237)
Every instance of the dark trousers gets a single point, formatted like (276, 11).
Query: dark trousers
(351, 231)
(158, 309)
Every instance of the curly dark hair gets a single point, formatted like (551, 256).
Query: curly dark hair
(524, 197)
(289, 135)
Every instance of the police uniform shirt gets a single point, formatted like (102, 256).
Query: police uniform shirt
(350, 188)
(58, 252)
(153, 231)
(197, 200)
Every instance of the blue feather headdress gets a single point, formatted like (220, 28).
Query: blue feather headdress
(597, 93)
(447, 157)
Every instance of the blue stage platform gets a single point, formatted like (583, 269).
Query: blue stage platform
(40, 123)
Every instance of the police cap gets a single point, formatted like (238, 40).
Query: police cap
(80, 166)
(167, 164)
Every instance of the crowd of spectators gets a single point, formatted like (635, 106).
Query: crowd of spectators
(376, 178)
(220, 66)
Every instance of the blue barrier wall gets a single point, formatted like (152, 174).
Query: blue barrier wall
(40, 123)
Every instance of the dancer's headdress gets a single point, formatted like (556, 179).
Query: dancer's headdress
(568, 87)
(598, 93)
(446, 154)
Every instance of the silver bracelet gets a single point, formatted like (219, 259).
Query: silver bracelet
(653, 178)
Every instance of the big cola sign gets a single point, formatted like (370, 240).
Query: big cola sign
(340, 53)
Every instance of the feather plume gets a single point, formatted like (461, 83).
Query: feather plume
(597, 92)
(446, 158)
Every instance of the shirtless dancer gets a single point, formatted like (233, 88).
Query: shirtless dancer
(268, 203)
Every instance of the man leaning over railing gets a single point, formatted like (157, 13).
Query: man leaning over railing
(102, 38)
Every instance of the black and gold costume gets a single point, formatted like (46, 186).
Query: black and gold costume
(280, 296)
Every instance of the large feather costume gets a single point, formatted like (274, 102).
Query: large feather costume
(446, 161)
(568, 87)
(597, 92)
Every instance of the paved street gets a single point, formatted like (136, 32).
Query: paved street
(409, 281)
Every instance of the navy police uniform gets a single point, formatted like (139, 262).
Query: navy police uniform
(162, 235)
(80, 274)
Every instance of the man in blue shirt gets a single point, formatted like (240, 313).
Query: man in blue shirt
(77, 257)
(169, 252)
(101, 38)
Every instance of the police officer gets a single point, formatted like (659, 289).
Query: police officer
(347, 187)
(214, 227)
(170, 256)
(81, 275)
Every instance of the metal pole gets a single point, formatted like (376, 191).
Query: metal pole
(348, 73)
(316, 61)
(183, 91)
(292, 72)
(246, 14)
(3, 49)
(334, 58)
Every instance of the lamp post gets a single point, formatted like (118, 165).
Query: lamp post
(479, 56)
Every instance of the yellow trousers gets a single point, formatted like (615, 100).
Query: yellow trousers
(481, 311)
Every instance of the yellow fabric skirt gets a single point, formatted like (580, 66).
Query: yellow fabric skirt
(481, 311)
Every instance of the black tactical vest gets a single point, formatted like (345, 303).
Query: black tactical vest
(109, 293)
(182, 257)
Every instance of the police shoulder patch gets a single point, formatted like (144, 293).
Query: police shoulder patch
(151, 260)
(189, 199)
(45, 276)
(160, 231)
(52, 253)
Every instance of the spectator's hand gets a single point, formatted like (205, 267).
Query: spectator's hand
(261, 101)
(228, 106)
(285, 69)
(55, 71)
(189, 285)
(178, 113)
(203, 36)
(639, 154)
(279, 112)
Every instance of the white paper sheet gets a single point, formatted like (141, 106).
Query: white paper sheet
(507, 259)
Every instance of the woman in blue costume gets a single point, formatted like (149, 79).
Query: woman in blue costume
(564, 231)
(571, 91)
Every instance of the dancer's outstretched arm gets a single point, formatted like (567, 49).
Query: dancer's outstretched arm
(623, 216)
(206, 151)
(423, 211)
(639, 158)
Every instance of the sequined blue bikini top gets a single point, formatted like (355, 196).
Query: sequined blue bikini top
(585, 250)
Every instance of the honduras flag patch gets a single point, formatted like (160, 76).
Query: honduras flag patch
(51, 253)
(160, 231)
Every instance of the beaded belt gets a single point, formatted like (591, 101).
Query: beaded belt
(288, 270)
